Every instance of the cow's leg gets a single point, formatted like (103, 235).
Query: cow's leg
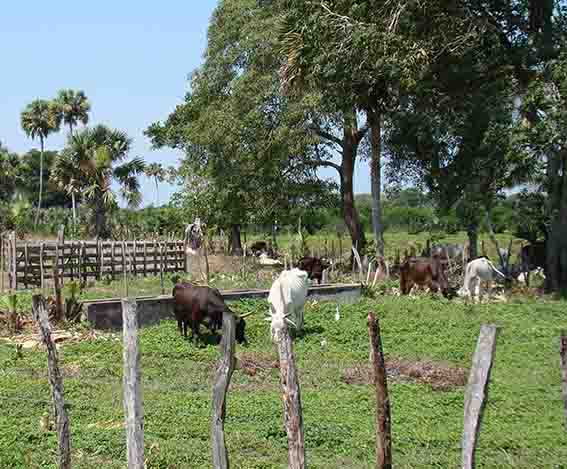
(477, 289)
(195, 321)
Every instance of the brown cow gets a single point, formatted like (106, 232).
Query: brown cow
(195, 304)
(314, 267)
(424, 271)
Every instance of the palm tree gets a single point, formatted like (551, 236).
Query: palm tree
(156, 171)
(73, 107)
(92, 160)
(38, 120)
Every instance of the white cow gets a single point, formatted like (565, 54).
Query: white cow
(265, 260)
(537, 272)
(477, 271)
(287, 298)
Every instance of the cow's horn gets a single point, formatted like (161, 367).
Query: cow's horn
(242, 316)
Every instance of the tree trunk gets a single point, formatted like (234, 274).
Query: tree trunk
(472, 233)
(71, 129)
(235, 241)
(375, 120)
(157, 193)
(556, 272)
(350, 214)
(74, 204)
(40, 181)
(101, 228)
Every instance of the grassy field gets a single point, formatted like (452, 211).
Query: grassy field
(522, 428)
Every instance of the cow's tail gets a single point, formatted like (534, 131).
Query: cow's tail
(495, 269)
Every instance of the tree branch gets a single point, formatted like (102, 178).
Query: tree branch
(326, 135)
(323, 163)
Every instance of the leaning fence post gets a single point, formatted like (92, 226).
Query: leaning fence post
(563, 354)
(222, 381)
(293, 417)
(132, 386)
(476, 391)
(56, 382)
(383, 420)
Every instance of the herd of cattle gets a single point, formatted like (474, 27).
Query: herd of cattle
(195, 305)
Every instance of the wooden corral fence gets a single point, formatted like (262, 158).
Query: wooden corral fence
(32, 263)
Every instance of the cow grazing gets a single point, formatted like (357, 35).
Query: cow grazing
(314, 267)
(533, 256)
(258, 247)
(424, 272)
(478, 270)
(195, 304)
(287, 295)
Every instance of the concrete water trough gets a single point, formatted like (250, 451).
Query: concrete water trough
(107, 313)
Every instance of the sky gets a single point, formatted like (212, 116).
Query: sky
(132, 59)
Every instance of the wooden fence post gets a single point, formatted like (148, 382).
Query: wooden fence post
(132, 386)
(222, 382)
(2, 261)
(56, 382)
(383, 420)
(13, 263)
(563, 354)
(476, 391)
(293, 417)
(161, 268)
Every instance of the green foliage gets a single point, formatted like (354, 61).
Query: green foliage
(522, 425)
(93, 160)
(72, 107)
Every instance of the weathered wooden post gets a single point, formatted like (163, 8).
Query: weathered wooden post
(293, 417)
(383, 419)
(220, 389)
(56, 382)
(2, 262)
(132, 386)
(563, 354)
(161, 268)
(42, 267)
(13, 262)
(476, 391)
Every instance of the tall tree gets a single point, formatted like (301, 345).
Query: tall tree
(245, 143)
(73, 107)
(38, 120)
(364, 53)
(9, 163)
(94, 159)
(158, 173)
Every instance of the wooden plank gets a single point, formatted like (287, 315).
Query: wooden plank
(132, 386)
(383, 418)
(56, 382)
(27, 265)
(161, 270)
(563, 355)
(112, 260)
(145, 259)
(220, 389)
(476, 392)
(13, 279)
(41, 268)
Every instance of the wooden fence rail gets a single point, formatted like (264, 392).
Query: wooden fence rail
(31, 264)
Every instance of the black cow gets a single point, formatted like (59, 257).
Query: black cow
(314, 267)
(195, 304)
(533, 256)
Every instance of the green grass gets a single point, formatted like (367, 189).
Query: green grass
(522, 427)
